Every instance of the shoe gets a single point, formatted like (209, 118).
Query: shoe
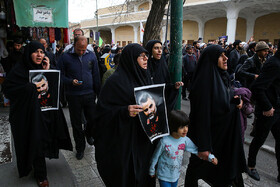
(184, 98)
(253, 132)
(90, 140)
(44, 183)
(253, 173)
(80, 155)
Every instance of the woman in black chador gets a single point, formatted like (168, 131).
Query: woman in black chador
(215, 123)
(123, 150)
(37, 134)
(158, 69)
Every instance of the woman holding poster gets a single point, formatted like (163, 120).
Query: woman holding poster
(123, 150)
(37, 134)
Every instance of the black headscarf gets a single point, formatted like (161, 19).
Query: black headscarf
(28, 50)
(128, 62)
(158, 68)
(120, 140)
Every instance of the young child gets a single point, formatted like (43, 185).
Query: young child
(170, 150)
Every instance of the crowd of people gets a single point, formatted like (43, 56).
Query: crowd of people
(219, 78)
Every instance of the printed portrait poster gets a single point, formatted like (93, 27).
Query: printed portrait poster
(47, 83)
(154, 115)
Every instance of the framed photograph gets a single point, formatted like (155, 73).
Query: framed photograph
(153, 118)
(47, 83)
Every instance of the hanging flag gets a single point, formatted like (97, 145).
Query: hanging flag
(141, 32)
(100, 41)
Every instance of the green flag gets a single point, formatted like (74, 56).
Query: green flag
(100, 41)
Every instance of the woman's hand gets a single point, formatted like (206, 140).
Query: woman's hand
(178, 84)
(240, 105)
(269, 113)
(46, 63)
(133, 110)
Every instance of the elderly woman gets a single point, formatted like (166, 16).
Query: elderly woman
(37, 134)
(215, 123)
(123, 150)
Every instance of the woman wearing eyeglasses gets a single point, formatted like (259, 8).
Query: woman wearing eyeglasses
(123, 150)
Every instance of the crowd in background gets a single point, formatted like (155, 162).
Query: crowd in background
(226, 83)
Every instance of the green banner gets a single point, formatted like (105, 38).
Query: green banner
(38, 13)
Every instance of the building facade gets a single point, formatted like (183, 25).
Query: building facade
(206, 19)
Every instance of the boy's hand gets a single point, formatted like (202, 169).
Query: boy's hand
(214, 161)
(153, 176)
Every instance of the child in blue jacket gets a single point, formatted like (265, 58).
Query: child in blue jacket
(170, 150)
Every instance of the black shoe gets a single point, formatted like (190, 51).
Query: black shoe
(184, 98)
(253, 173)
(253, 132)
(90, 140)
(80, 155)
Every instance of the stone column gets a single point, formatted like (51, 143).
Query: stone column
(163, 30)
(250, 23)
(135, 29)
(232, 15)
(201, 29)
(113, 29)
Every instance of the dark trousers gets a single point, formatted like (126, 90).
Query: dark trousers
(263, 126)
(187, 82)
(78, 104)
(40, 169)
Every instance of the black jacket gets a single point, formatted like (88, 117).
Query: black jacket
(266, 88)
(251, 67)
(233, 60)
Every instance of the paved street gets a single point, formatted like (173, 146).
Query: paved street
(68, 171)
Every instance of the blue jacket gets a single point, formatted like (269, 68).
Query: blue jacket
(84, 68)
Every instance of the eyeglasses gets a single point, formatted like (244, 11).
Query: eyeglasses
(143, 56)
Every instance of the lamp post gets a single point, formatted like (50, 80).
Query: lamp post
(96, 14)
(176, 35)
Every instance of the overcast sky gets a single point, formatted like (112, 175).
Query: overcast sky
(84, 9)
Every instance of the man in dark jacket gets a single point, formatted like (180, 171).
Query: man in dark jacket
(189, 63)
(234, 56)
(80, 75)
(266, 90)
(251, 68)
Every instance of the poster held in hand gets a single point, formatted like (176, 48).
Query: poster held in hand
(47, 84)
(153, 118)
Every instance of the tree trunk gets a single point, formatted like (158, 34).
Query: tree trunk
(153, 24)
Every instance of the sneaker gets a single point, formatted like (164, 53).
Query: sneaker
(80, 155)
(44, 183)
(253, 173)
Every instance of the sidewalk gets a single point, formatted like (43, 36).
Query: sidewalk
(68, 171)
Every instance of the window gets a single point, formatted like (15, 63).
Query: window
(118, 43)
(129, 42)
(190, 42)
(123, 43)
